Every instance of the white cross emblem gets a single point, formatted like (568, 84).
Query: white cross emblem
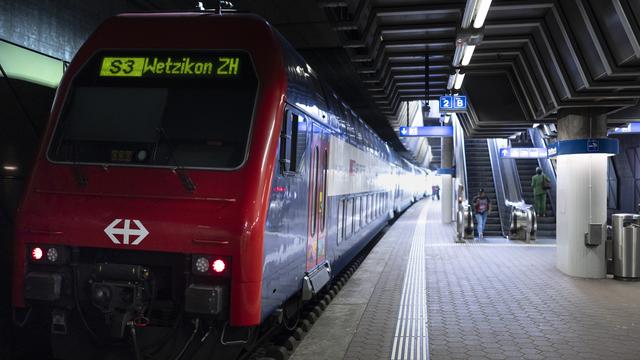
(126, 231)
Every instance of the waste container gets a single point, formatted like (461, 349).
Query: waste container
(464, 222)
(523, 223)
(626, 246)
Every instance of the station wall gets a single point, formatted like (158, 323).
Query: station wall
(626, 168)
(57, 27)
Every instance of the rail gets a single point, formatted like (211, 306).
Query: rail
(507, 184)
(460, 158)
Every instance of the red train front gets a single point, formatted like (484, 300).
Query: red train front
(158, 181)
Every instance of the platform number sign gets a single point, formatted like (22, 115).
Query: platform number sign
(453, 103)
(446, 102)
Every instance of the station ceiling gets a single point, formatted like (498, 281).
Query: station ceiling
(535, 57)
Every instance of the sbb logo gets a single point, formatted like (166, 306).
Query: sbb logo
(126, 232)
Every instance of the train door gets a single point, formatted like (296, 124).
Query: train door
(316, 239)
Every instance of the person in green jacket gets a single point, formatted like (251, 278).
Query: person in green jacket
(539, 192)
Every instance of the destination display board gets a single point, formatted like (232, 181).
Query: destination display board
(175, 65)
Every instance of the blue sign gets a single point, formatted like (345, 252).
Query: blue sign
(446, 171)
(523, 153)
(593, 146)
(428, 131)
(632, 128)
(446, 102)
(453, 103)
(585, 146)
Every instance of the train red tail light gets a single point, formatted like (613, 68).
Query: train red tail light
(36, 253)
(218, 266)
(210, 265)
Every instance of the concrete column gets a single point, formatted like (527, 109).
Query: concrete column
(581, 196)
(446, 192)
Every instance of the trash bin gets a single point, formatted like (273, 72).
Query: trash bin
(523, 223)
(626, 246)
(464, 223)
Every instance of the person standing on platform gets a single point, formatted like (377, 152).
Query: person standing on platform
(482, 209)
(540, 184)
(437, 189)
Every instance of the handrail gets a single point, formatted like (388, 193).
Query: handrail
(506, 181)
(460, 157)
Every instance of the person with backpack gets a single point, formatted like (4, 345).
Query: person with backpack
(540, 184)
(482, 209)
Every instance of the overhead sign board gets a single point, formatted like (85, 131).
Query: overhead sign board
(523, 153)
(457, 103)
(584, 146)
(426, 131)
(632, 128)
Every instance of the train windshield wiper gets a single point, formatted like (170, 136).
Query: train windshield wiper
(185, 179)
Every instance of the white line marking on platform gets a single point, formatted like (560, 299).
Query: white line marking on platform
(411, 338)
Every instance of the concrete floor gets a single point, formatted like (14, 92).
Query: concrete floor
(484, 300)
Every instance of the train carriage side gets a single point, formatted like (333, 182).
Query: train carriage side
(331, 192)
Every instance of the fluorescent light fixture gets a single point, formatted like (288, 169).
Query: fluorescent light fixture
(467, 53)
(482, 8)
(452, 80)
(458, 82)
(457, 55)
(469, 9)
(10, 167)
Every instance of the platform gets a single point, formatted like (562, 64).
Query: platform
(419, 295)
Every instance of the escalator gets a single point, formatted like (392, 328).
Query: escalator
(480, 175)
(526, 170)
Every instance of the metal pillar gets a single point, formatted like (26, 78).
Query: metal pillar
(581, 196)
(446, 162)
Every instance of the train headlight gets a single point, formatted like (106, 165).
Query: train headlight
(202, 264)
(52, 254)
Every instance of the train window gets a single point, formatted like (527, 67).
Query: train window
(157, 119)
(357, 214)
(349, 217)
(374, 208)
(314, 191)
(293, 142)
(300, 131)
(325, 159)
(340, 221)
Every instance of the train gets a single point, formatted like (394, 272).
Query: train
(197, 183)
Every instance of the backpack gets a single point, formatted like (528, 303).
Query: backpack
(546, 184)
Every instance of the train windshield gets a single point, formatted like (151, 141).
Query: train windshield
(188, 109)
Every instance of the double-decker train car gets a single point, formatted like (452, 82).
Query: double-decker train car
(197, 180)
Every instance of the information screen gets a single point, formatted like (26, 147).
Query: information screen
(182, 65)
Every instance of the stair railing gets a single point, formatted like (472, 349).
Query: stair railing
(460, 158)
